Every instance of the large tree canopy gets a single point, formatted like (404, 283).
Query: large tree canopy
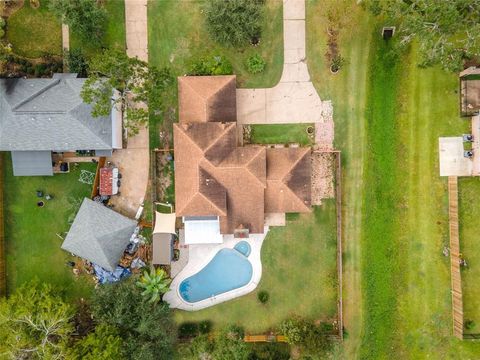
(85, 17)
(35, 323)
(135, 81)
(234, 22)
(147, 330)
(448, 31)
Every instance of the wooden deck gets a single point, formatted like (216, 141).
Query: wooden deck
(456, 279)
(264, 338)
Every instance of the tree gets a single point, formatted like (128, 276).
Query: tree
(85, 17)
(311, 338)
(448, 32)
(155, 284)
(234, 22)
(134, 81)
(230, 345)
(35, 323)
(147, 330)
(102, 344)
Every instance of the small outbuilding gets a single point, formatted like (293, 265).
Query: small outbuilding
(163, 238)
(99, 234)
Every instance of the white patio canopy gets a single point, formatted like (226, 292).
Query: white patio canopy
(202, 230)
(164, 223)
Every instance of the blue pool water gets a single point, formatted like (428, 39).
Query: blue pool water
(228, 270)
(243, 247)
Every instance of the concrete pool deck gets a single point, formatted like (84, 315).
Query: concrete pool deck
(200, 256)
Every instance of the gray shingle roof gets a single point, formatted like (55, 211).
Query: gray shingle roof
(99, 234)
(32, 163)
(49, 114)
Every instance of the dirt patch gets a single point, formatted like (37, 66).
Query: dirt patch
(7, 8)
(323, 175)
(164, 176)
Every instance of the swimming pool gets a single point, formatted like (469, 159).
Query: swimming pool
(228, 270)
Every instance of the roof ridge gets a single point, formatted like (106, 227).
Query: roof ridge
(227, 127)
(86, 127)
(215, 206)
(36, 93)
(261, 148)
(294, 164)
(297, 199)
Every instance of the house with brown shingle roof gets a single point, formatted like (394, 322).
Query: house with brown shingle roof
(217, 179)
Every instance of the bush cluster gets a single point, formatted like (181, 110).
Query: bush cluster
(210, 65)
(255, 64)
(310, 337)
(3, 23)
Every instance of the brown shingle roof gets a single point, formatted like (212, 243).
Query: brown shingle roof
(211, 176)
(288, 180)
(215, 177)
(207, 98)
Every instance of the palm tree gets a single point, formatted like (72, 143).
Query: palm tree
(155, 283)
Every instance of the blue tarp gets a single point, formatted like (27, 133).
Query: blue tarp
(105, 277)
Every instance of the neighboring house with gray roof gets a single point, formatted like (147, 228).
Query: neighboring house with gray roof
(41, 116)
(99, 235)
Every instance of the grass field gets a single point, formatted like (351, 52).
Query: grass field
(281, 134)
(114, 36)
(177, 34)
(469, 212)
(299, 272)
(388, 116)
(32, 246)
(34, 32)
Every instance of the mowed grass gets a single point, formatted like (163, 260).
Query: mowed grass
(34, 32)
(469, 213)
(281, 134)
(177, 34)
(388, 116)
(299, 273)
(32, 246)
(114, 36)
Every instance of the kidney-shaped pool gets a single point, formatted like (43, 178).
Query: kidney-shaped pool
(228, 270)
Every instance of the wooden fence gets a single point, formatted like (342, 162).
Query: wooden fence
(96, 181)
(456, 279)
(338, 195)
(3, 275)
(338, 200)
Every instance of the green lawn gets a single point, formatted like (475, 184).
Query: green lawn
(469, 212)
(32, 246)
(114, 36)
(177, 34)
(281, 134)
(34, 32)
(388, 116)
(299, 272)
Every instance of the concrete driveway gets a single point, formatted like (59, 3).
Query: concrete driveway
(294, 99)
(134, 161)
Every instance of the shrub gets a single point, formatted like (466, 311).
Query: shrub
(205, 326)
(263, 296)
(255, 64)
(212, 65)
(469, 324)
(2, 23)
(337, 62)
(234, 22)
(76, 62)
(187, 330)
